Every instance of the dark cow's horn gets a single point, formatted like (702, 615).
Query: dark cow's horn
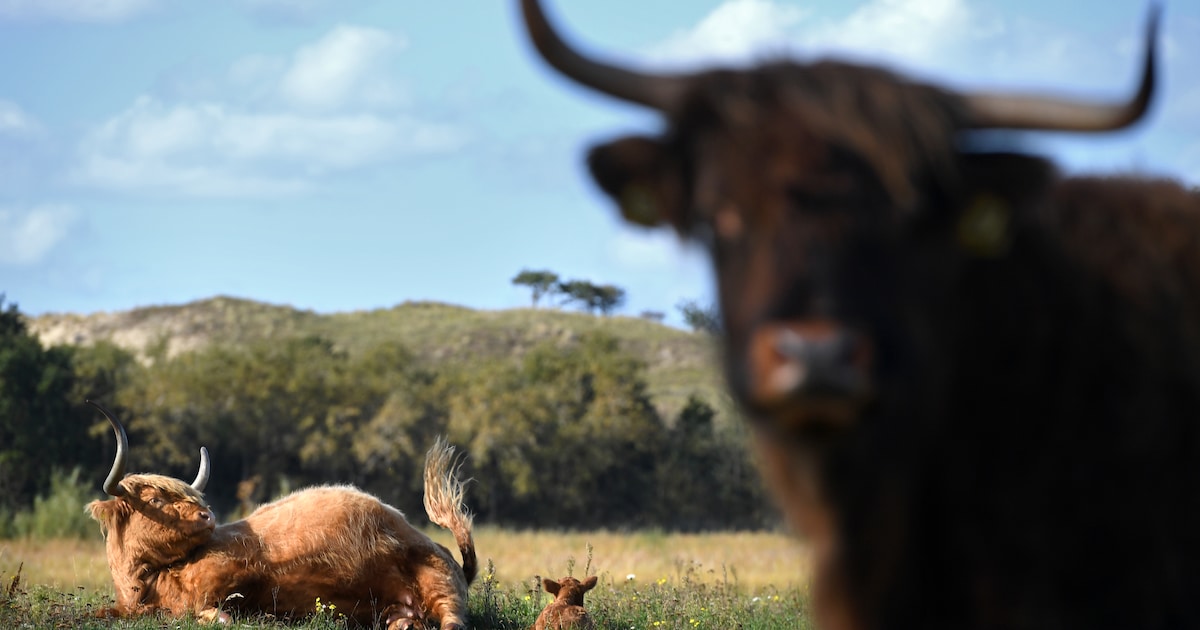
(112, 485)
(202, 475)
(657, 91)
(996, 111)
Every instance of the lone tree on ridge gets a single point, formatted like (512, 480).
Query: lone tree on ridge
(541, 282)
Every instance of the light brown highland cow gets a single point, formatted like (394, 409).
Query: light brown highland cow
(358, 555)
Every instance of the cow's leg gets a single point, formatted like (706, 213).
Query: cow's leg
(443, 591)
(409, 614)
(450, 616)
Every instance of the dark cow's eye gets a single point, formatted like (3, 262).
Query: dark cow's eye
(821, 193)
(843, 182)
(816, 201)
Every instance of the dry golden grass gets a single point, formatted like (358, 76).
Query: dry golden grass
(61, 564)
(752, 560)
(749, 561)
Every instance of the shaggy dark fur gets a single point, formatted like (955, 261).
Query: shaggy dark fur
(1029, 457)
(1022, 452)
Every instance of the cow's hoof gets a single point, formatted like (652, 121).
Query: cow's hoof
(214, 615)
(402, 623)
(404, 615)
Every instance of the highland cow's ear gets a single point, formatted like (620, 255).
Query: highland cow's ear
(589, 583)
(107, 513)
(551, 586)
(642, 176)
(100, 510)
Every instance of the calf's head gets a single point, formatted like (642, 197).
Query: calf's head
(151, 519)
(569, 591)
(809, 185)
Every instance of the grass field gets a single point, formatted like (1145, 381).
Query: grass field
(648, 580)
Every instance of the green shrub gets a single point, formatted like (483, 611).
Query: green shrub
(58, 514)
(6, 523)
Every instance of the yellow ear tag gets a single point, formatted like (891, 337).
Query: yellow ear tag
(983, 228)
(638, 205)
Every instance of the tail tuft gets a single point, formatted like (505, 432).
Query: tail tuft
(444, 502)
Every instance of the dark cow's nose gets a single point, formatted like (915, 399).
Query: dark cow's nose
(799, 361)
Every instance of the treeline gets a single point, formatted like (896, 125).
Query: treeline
(565, 436)
(543, 283)
(605, 298)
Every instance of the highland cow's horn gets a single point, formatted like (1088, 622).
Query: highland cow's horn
(202, 475)
(657, 91)
(112, 485)
(1008, 111)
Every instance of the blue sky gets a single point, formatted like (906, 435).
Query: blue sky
(352, 154)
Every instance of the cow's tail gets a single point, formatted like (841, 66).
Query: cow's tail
(444, 502)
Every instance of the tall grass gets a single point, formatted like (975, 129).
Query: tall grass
(664, 604)
(648, 580)
(750, 561)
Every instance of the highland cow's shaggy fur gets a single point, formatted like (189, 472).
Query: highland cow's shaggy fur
(358, 556)
(974, 382)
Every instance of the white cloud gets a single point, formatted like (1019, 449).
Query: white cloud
(214, 149)
(667, 270)
(960, 42)
(917, 31)
(28, 235)
(737, 30)
(286, 123)
(13, 120)
(343, 66)
(75, 10)
(192, 180)
(742, 31)
(639, 249)
(644, 249)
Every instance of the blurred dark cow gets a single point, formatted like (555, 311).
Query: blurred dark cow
(331, 549)
(974, 382)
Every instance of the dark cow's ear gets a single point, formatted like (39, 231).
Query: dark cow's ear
(642, 177)
(551, 586)
(590, 583)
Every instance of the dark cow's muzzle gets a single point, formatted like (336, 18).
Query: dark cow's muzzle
(807, 365)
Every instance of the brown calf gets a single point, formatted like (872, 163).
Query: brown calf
(566, 611)
(355, 554)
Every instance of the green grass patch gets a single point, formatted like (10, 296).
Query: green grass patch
(650, 581)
